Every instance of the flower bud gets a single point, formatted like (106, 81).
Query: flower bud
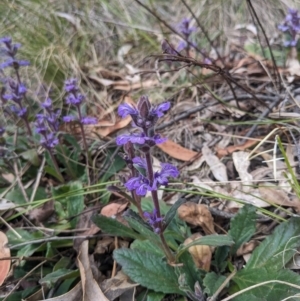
(144, 106)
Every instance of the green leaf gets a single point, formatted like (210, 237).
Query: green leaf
(113, 166)
(209, 240)
(242, 226)
(113, 227)
(154, 296)
(278, 248)
(271, 291)
(75, 203)
(212, 282)
(58, 275)
(146, 246)
(62, 263)
(149, 270)
(32, 156)
(172, 212)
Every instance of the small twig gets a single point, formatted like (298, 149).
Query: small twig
(114, 269)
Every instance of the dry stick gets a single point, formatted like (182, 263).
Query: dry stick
(266, 38)
(263, 115)
(202, 107)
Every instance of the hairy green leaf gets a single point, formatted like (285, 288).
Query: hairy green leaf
(75, 203)
(112, 226)
(279, 284)
(278, 248)
(242, 226)
(149, 270)
(212, 282)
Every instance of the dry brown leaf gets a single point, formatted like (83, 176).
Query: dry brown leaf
(230, 149)
(4, 252)
(104, 245)
(90, 288)
(242, 163)
(216, 166)
(42, 213)
(127, 86)
(117, 286)
(177, 151)
(74, 294)
(201, 254)
(247, 247)
(104, 128)
(273, 195)
(113, 209)
(197, 215)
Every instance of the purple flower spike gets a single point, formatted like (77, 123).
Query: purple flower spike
(88, 120)
(126, 109)
(5, 40)
(71, 99)
(2, 131)
(20, 112)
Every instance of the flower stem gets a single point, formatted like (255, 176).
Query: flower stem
(154, 195)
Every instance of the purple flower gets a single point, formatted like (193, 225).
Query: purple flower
(5, 40)
(47, 103)
(185, 28)
(2, 130)
(126, 109)
(69, 118)
(76, 100)
(161, 177)
(159, 109)
(88, 120)
(71, 85)
(140, 184)
(139, 162)
(49, 140)
(153, 220)
(140, 138)
(14, 63)
(21, 112)
(291, 24)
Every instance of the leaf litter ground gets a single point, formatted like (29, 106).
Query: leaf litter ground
(233, 133)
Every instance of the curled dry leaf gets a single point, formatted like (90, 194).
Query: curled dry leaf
(221, 152)
(273, 195)
(177, 151)
(90, 287)
(201, 254)
(216, 166)
(197, 215)
(113, 209)
(4, 252)
(247, 247)
(117, 286)
(242, 163)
